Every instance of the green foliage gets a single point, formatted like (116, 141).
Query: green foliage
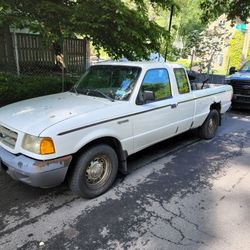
(184, 62)
(13, 88)
(212, 41)
(190, 23)
(160, 90)
(235, 49)
(192, 41)
(186, 20)
(212, 9)
(121, 28)
(220, 71)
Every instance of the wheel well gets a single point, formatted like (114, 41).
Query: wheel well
(217, 106)
(112, 142)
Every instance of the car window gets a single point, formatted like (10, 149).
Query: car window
(182, 81)
(246, 66)
(157, 81)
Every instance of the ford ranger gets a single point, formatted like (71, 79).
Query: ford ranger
(116, 109)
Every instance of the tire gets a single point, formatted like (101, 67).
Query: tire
(94, 172)
(209, 127)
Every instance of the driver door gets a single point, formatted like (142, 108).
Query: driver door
(156, 119)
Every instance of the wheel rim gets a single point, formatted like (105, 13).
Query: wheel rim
(98, 171)
(212, 125)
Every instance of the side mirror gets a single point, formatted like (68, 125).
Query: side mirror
(148, 96)
(232, 70)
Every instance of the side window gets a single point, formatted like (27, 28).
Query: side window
(157, 81)
(182, 81)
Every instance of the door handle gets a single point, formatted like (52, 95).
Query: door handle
(174, 105)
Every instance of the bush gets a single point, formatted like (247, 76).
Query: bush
(184, 62)
(235, 49)
(14, 88)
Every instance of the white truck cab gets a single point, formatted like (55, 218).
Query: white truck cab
(115, 110)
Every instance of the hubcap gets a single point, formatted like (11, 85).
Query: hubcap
(97, 170)
(212, 125)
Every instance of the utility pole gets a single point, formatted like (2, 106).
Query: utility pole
(169, 29)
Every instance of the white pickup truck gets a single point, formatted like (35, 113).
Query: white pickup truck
(116, 109)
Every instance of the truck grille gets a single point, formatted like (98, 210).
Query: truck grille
(8, 137)
(241, 87)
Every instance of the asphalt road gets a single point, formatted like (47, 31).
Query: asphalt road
(183, 193)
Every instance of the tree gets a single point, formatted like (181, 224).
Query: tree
(186, 20)
(212, 41)
(234, 9)
(190, 25)
(235, 49)
(122, 28)
(193, 41)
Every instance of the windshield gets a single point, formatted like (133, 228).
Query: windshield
(245, 67)
(106, 81)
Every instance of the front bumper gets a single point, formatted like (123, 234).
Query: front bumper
(36, 173)
(241, 101)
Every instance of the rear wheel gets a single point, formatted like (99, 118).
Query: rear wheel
(209, 127)
(94, 172)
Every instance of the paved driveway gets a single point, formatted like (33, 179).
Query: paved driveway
(184, 193)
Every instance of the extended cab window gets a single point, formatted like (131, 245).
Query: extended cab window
(182, 81)
(157, 81)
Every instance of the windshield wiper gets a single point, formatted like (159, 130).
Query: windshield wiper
(101, 93)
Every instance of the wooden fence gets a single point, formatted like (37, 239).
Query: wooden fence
(27, 54)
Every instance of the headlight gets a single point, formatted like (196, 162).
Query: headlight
(38, 145)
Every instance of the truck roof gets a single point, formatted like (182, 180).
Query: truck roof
(146, 64)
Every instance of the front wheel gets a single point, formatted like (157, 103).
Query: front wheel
(94, 172)
(209, 127)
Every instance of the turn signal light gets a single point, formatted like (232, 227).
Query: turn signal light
(47, 146)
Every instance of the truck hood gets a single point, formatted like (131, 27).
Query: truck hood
(35, 115)
(239, 76)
